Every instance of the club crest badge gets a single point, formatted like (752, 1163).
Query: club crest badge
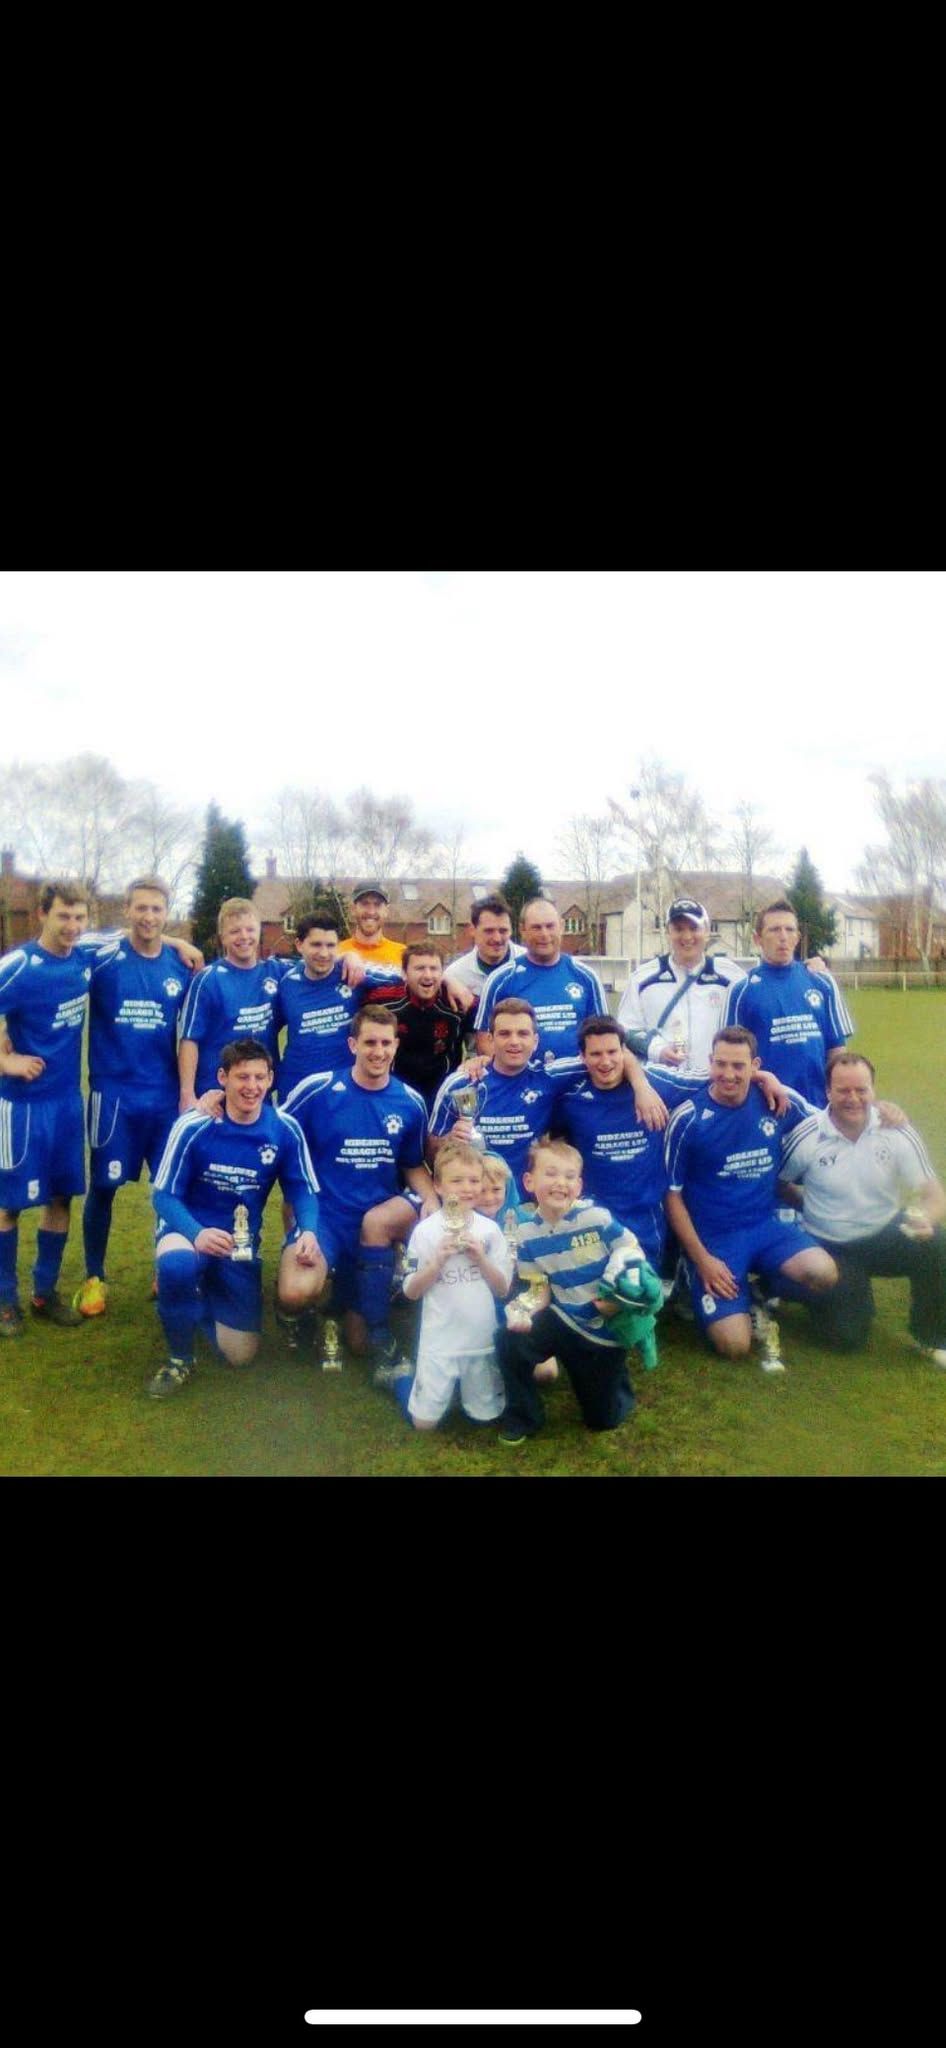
(814, 997)
(393, 1124)
(767, 1124)
(267, 1154)
(172, 987)
(573, 989)
(270, 986)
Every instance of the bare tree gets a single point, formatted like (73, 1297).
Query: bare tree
(452, 858)
(163, 839)
(386, 840)
(750, 844)
(312, 843)
(912, 863)
(588, 847)
(670, 826)
(80, 817)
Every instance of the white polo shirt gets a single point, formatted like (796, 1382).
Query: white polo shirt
(469, 968)
(853, 1186)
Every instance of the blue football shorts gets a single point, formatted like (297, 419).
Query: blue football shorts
(232, 1289)
(123, 1135)
(762, 1249)
(42, 1150)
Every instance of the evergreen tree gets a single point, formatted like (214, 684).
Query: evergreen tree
(223, 871)
(519, 884)
(816, 923)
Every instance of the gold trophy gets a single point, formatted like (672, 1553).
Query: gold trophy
(468, 1102)
(242, 1238)
(455, 1220)
(331, 1347)
(766, 1331)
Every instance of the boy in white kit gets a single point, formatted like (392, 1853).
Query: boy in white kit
(460, 1265)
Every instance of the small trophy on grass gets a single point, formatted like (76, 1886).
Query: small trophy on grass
(331, 1347)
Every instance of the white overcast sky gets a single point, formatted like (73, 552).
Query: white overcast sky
(501, 701)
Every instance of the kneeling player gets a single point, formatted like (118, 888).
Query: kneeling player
(460, 1265)
(209, 1195)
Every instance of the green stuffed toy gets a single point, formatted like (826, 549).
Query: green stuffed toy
(630, 1280)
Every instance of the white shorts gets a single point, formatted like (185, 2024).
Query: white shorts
(478, 1377)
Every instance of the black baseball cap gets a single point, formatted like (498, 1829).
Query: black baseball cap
(687, 906)
(369, 889)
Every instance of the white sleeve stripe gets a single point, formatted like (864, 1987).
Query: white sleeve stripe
(10, 969)
(186, 1128)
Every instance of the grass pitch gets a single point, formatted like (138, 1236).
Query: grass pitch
(72, 1402)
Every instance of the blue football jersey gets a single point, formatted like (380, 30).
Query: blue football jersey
(513, 1109)
(623, 1163)
(317, 1012)
(725, 1161)
(44, 997)
(562, 996)
(226, 1002)
(359, 1137)
(797, 1017)
(212, 1164)
(135, 1005)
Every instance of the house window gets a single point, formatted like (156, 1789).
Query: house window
(409, 891)
(714, 927)
(289, 923)
(478, 890)
(438, 923)
(574, 925)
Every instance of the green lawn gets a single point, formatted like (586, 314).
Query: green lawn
(72, 1402)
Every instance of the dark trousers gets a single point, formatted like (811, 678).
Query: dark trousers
(843, 1314)
(597, 1372)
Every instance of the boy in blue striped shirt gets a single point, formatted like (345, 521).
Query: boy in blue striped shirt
(563, 1246)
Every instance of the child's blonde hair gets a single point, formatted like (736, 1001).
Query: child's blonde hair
(455, 1148)
(558, 1146)
(495, 1169)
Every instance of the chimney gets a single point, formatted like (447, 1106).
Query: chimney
(6, 861)
(270, 867)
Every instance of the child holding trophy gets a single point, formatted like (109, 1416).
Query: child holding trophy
(458, 1265)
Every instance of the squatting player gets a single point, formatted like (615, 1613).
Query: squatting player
(214, 1166)
(366, 1132)
(723, 1160)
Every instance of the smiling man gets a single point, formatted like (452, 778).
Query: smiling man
(723, 1152)
(672, 1005)
(795, 1014)
(44, 994)
(429, 1031)
(136, 1000)
(366, 1132)
(493, 944)
(235, 997)
(870, 1196)
(369, 904)
(215, 1176)
(319, 994)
